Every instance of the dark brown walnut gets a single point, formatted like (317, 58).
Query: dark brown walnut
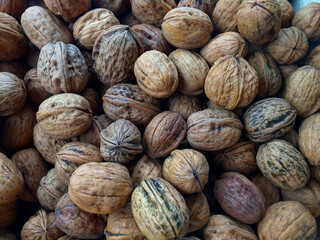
(231, 83)
(259, 21)
(228, 43)
(269, 118)
(192, 71)
(238, 158)
(122, 226)
(291, 137)
(42, 27)
(40, 226)
(159, 209)
(151, 38)
(7, 235)
(72, 155)
(156, 74)
(91, 191)
(283, 165)
(290, 46)
(50, 190)
(213, 130)
(163, 134)
(33, 168)
(288, 220)
(8, 213)
(94, 100)
(13, 7)
(129, 19)
(199, 211)
(77, 223)
(315, 173)
(313, 58)
(187, 170)
(269, 75)
(221, 227)
(270, 192)
(287, 12)
(239, 197)
(287, 70)
(184, 105)
(204, 6)
(117, 7)
(17, 68)
(114, 53)
(187, 28)
(64, 116)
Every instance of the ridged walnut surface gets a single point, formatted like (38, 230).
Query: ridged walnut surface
(313, 58)
(287, 12)
(204, 6)
(184, 105)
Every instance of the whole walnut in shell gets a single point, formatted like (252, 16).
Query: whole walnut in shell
(204, 6)
(117, 7)
(313, 58)
(13, 7)
(184, 105)
(287, 12)
(8, 213)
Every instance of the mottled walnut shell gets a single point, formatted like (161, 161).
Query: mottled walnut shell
(192, 71)
(117, 7)
(115, 52)
(238, 158)
(13, 7)
(184, 105)
(313, 58)
(163, 134)
(33, 168)
(204, 6)
(42, 27)
(13, 94)
(259, 21)
(187, 170)
(8, 213)
(91, 191)
(287, 70)
(290, 46)
(6, 235)
(94, 99)
(231, 83)
(228, 43)
(213, 130)
(239, 197)
(283, 165)
(120, 142)
(156, 74)
(287, 12)
(40, 226)
(122, 226)
(64, 116)
(160, 211)
(187, 28)
(15, 67)
(288, 220)
(269, 118)
(89, 26)
(221, 227)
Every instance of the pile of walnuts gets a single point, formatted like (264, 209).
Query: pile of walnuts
(159, 119)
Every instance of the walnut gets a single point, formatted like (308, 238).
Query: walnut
(313, 58)
(287, 12)
(291, 137)
(287, 70)
(94, 99)
(184, 105)
(17, 68)
(8, 213)
(204, 6)
(129, 19)
(315, 173)
(117, 7)
(13, 7)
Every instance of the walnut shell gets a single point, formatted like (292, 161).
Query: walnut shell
(239, 197)
(315, 172)
(231, 83)
(117, 7)
(13, 7)
(8, 213)
(287, 70)
(287, 12)
(313, 58)
(94, 100)
(187, 28)
(129, 19)
(184, 105)
(32, 55)
(291, 137)
(204, 6)
(66, 237)
(17, 68)
(160, 211)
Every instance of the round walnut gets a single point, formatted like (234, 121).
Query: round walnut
(192, 71)
(160, 211)
(156, 74)
(187, 170)
(298, 224)
(313, 58)
(269, 118)
(287, 12)
(204, 6)
(18, 68)
(13, 7)
(213, 129)
(42, 225)
(120, 142)
(117, 7)
(239, 197)
(231, 83)
(163, 134)
(290, 46)
(187, 28)
(184, 105)
(91, 191)
(8, 214)
(259, 21)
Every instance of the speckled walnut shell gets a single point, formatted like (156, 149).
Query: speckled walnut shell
(42, 27)
(290, 46)
(187, 170)
(184, 105)
(91, 191)
(8, 214)
(239, 197)
(18, 68)
(40, 226)
(287, 12)
(13, 7)
(259, 21)
(187, 28)
(204, 6)
(94, 100)
(64, 115)
(192, 71)
(7, 235)
(160, 211)
(156, 74)
(213, 130)
(33, 168)
(115, 52)
(269, 118)
(313, 58)
(291, 137)
(51, 190)
(163, 134)
(117, 7)
(89, 26)
(283, 165)
(298, 224)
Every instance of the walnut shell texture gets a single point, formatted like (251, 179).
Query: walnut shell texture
(18, 68)
(8, 214)
(313, 58)
(94, 100)
(204, 6)
(287, 12)
(291, 137)
(13, 7)
(287, 70)
(184, 105)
